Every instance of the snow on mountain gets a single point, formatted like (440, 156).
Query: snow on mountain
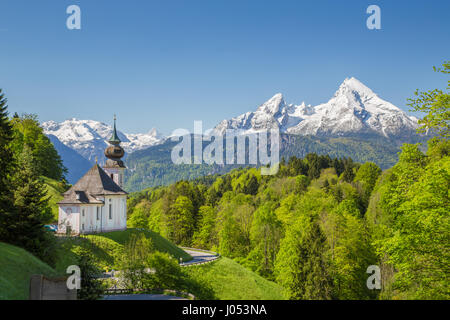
(89, 137)
(139, 141)
(354, 109)
(266, 116)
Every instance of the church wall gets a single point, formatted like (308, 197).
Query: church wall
(69, 215)
(89, 222)
(119, 213)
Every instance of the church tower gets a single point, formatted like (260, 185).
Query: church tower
(114, 167)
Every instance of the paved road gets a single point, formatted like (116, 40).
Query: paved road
(199, 256)
(142, 297)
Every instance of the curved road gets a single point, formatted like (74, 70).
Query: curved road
(199, 257)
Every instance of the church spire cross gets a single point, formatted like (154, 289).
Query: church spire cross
(115, 138)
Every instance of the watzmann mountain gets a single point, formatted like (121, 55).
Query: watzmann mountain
(354, 110)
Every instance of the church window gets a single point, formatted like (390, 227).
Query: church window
(110, 211)
(98, 213)
(82, 212)
(82, 226)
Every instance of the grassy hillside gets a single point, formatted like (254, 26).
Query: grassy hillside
(16, 268)
(54, 189)
(107, 248)
(231, 281)
(160, 243)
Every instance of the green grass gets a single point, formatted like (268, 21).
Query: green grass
(16, 268)
(105, 252)
(230, 281)
(108, 247)
(160, 243)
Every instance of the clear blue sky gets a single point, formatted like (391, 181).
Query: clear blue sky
(167, 63)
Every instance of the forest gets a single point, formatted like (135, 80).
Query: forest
(319, 223)
(153, 166)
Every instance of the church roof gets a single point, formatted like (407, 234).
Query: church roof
(95, 182)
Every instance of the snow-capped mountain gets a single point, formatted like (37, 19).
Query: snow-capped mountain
(89, 137)
(353, 110)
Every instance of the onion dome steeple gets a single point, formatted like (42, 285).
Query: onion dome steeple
(114, 152)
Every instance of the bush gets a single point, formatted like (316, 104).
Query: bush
(165, 272)
(91, 287)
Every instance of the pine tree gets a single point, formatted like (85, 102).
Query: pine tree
(6, 165)
(252, 185)
(91, 286)
(25, 225)
(348, 174)
(302, 267)
(326, 185)
(315, 282)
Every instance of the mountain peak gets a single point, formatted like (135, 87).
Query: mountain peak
(155, 133)
(273, 105)
(354, 109)
(354, 85)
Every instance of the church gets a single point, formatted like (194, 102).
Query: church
(97, 202)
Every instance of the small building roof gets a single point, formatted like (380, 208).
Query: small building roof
(96, 182)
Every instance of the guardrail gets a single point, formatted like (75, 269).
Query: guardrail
(188, 264)
(150, 291)
(201, 250)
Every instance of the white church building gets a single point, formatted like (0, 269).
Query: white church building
(97, 202)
